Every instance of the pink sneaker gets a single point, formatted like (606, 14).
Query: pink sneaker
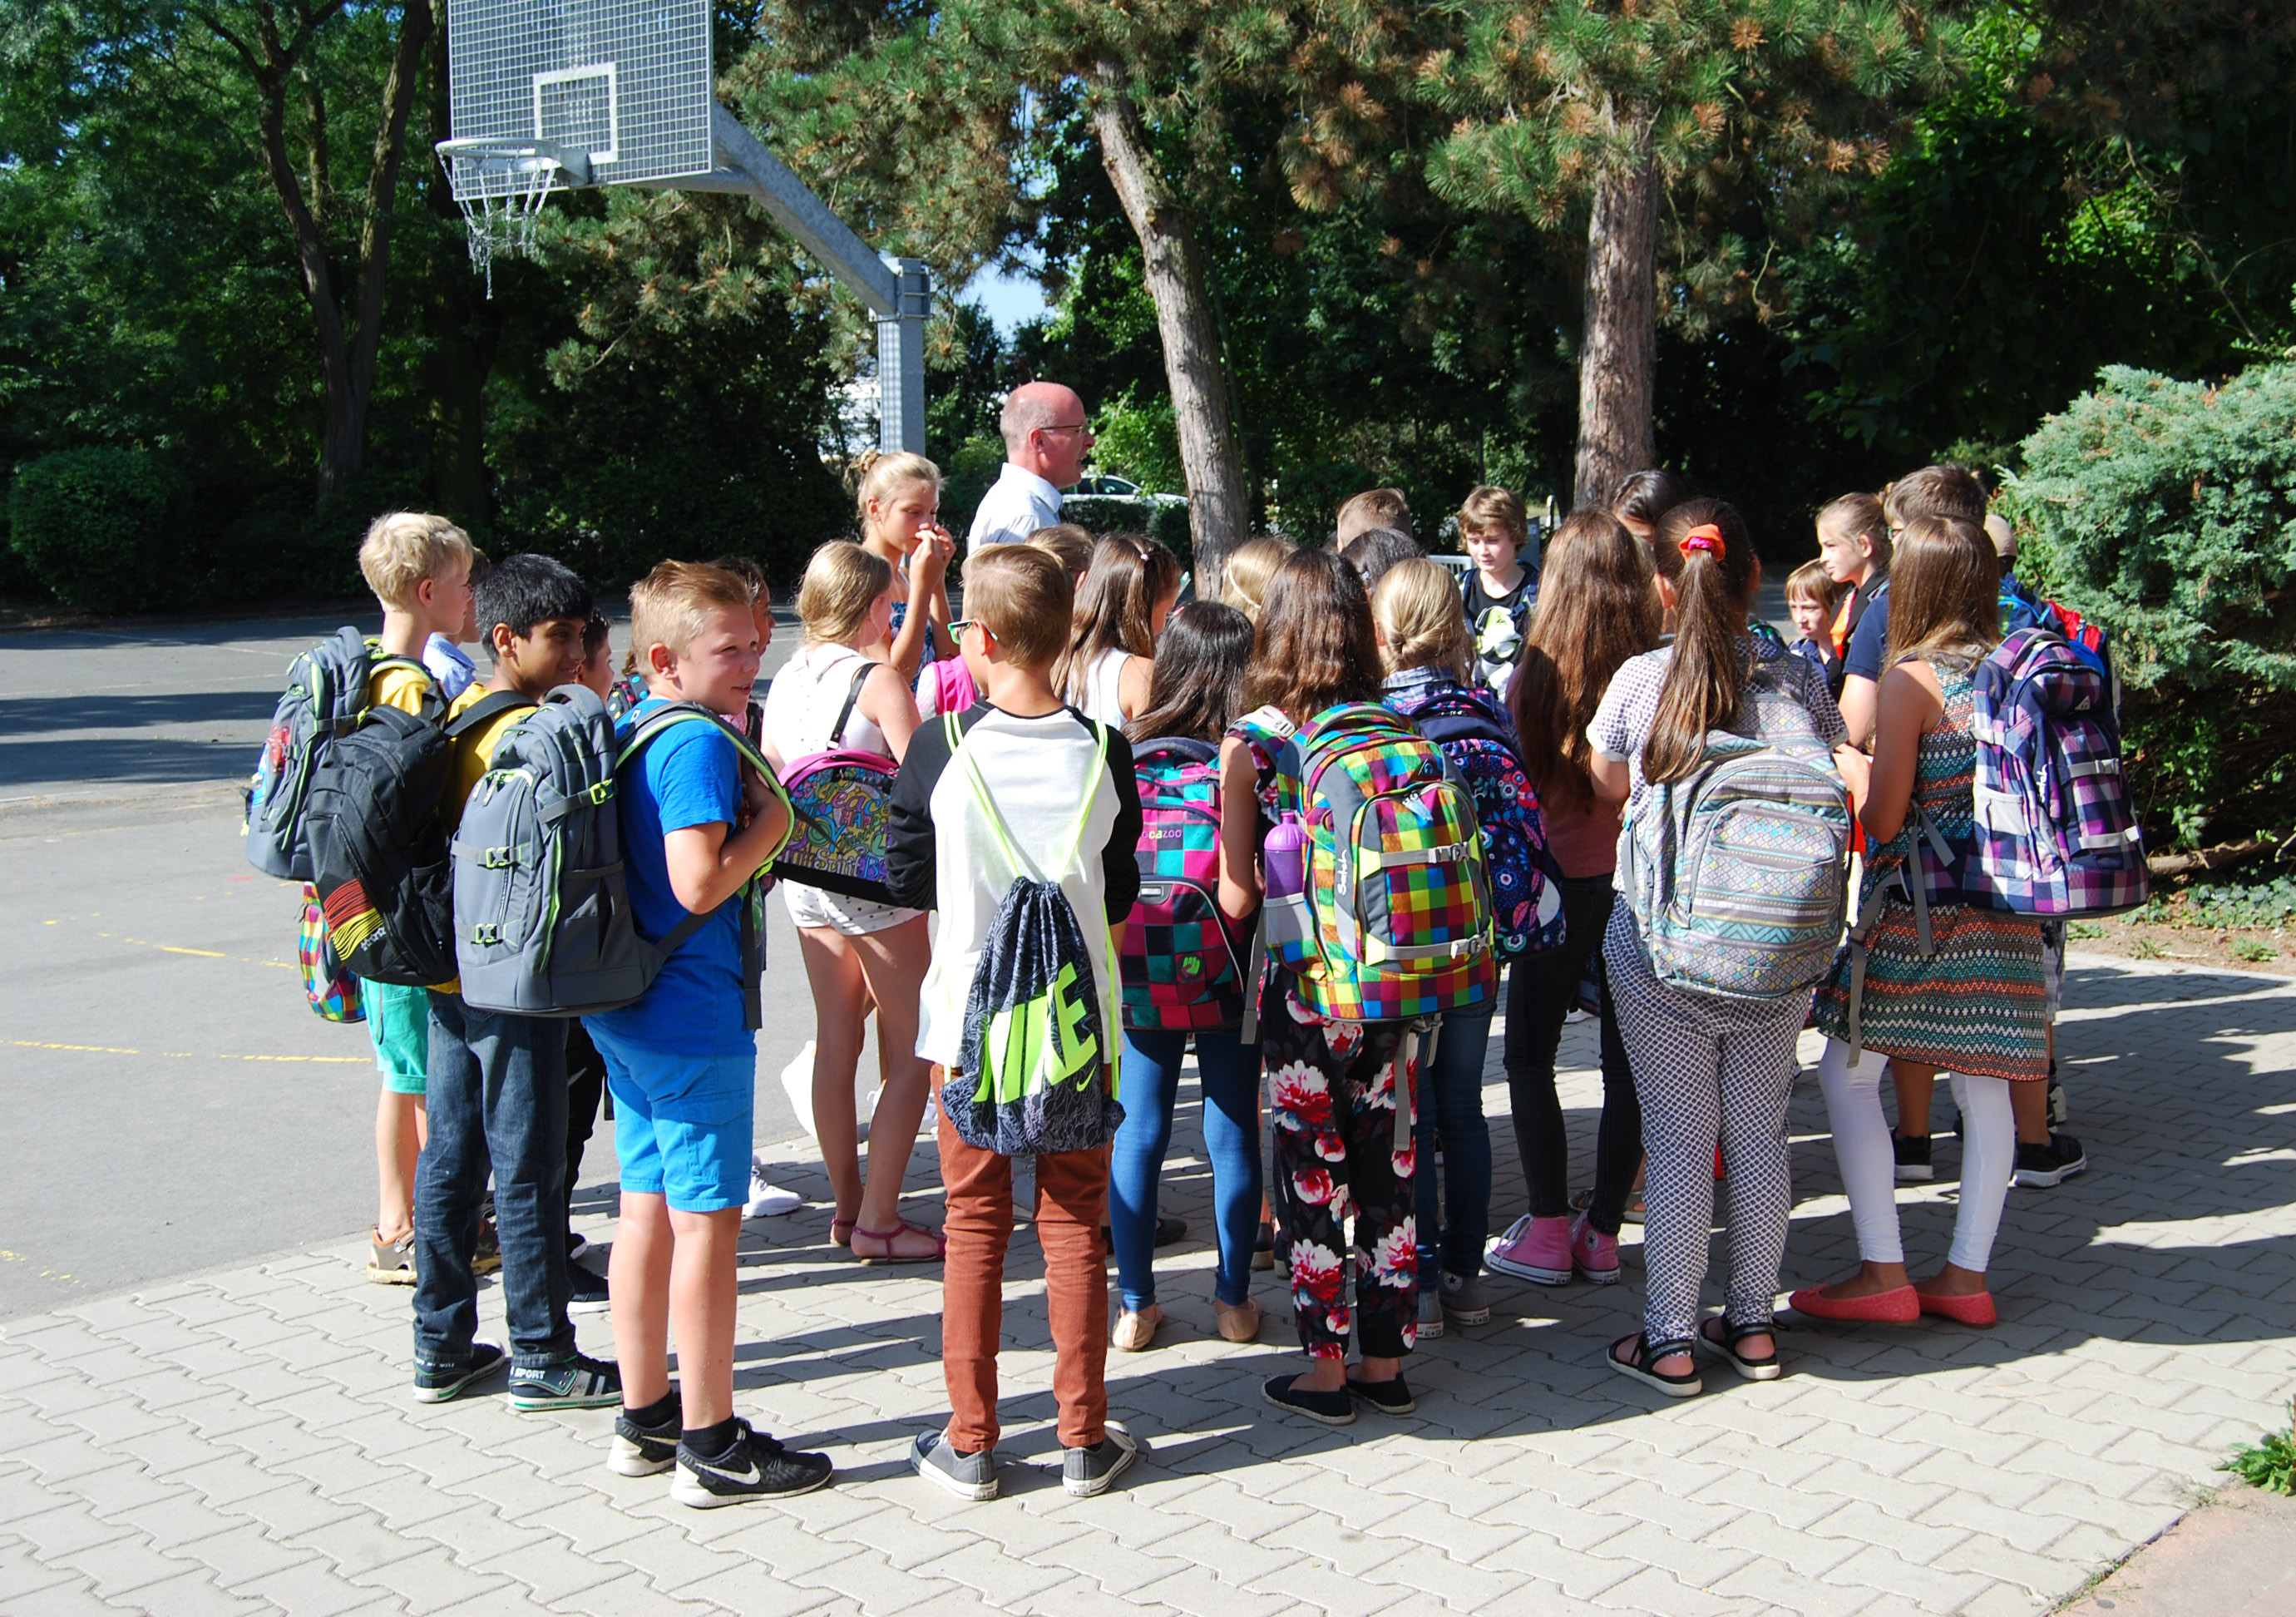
(1538, 1250)
(1593, 1254)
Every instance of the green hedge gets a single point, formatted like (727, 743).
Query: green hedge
(2166, 511)
(1101, 513)
(94, 527)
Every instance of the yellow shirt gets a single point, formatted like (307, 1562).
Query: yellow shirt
(397, 687)
(471, 752)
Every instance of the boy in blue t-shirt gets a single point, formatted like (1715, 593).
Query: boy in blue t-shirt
(697, 822)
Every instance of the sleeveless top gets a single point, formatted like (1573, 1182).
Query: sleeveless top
(1104, 680)
(803, 700)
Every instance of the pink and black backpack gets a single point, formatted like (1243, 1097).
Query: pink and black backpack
(2056, 830)
(1179, 960)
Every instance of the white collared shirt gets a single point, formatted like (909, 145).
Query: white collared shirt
(1017, 504)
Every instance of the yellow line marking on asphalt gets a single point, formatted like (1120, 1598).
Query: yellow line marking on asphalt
(204, 954)
(46, 1274)
(41, 1044)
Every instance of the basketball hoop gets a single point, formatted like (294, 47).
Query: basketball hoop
(500, 186)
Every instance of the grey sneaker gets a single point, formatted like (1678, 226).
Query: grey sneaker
(1462, 1300)
(575, 1382)
(1430, 1313)
(1086, 1472)
(968, 1476)
(439, 1383)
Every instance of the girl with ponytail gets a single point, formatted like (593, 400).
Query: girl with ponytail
(1706, 1069)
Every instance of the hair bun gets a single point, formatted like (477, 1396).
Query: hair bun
(865, 460)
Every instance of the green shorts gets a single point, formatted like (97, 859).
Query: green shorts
(398, 1022)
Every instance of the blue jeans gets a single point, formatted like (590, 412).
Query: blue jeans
(496, 1095)
(1450, 1100)
(1148, 1087)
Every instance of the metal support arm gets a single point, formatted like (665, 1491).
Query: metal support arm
(897, 291)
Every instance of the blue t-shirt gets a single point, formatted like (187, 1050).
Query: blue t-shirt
(1869, 642)
(688, 776)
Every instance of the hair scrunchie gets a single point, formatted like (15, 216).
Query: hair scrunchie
(1705, 537)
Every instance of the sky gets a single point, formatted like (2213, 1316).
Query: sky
(1011, 300)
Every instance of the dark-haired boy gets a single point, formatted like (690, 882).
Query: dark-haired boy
(497, 1089)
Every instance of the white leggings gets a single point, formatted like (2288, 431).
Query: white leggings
(1869, 1171)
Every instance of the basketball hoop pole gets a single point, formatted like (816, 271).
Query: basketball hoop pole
(897, 291)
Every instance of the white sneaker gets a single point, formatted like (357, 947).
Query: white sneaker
(768, 1200)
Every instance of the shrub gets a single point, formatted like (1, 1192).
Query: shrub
(2166, 511)
(1165, 523)
(93, 527)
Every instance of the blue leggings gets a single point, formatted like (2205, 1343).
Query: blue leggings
(1148, 1087)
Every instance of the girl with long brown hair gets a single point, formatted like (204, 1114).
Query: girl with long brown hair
(1707, 1068)
(1332, 1095)
(1969, 996)
(1597, 610)
(1120, 608)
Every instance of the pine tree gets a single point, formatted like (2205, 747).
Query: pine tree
(1649, 119)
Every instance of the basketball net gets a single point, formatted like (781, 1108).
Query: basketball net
(500, 187)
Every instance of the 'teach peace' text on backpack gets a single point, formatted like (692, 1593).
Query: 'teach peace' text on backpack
(2056, 832)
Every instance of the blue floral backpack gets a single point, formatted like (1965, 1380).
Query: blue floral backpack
(1479, 739)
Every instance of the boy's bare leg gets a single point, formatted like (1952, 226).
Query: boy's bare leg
(400, 1126)
(702, 1276)
(639, 1278)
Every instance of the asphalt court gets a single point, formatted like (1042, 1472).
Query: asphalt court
(174, 1103)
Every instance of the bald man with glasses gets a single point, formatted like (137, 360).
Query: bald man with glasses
(1046, 440)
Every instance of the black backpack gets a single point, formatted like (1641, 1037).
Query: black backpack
(378, 851)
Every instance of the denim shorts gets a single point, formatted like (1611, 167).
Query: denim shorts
(398, 1022)
(699, 1160)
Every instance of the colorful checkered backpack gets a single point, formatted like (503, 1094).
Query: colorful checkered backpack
(333, 992)
(1389, 918)
(1179, 960)
(1480, 740)
(2056, 832)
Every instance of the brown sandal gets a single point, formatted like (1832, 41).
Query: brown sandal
(886, 1237)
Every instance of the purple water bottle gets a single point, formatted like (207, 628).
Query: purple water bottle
(1284, 861)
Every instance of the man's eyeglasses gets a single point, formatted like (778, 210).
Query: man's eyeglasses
(1073, 426)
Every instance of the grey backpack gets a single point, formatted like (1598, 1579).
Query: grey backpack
(325, 700)
(1737, 876)
(543, 924)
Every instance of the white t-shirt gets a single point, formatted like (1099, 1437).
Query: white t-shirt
(800, 706)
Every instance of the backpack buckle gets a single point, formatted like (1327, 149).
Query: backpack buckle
(483, 935)
(495, 859)
(599, 793)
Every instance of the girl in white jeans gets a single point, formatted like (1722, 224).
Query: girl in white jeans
(1927, 981)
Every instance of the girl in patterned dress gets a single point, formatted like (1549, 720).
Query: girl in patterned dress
(1937, 983)
(1331, 1084)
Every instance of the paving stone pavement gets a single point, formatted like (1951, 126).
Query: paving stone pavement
(244, 1441)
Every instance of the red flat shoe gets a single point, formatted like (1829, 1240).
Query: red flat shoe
(1971, 1308)
(1899, 1306)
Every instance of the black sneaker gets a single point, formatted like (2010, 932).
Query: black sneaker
(644, 1451)
(1387, 1397)
(756, 1467)
(1913, 1157)
(2044, 1166)
(576, 1381)
(1086, 1472)
(968, 1476)
(576, 1243)
(441, 1383)
(1331, 1409)
(585, 1291)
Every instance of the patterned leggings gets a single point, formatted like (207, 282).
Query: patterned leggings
(1331, 1089)
(1705, 1069)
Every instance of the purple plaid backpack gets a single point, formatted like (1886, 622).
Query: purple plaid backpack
(2056, 831)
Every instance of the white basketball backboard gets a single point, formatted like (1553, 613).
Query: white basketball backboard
(622, 89)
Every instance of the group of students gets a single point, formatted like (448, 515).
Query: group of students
(1024, 733)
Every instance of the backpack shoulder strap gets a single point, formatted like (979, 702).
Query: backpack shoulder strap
(852, 696)
(485, 711)
(988, 804)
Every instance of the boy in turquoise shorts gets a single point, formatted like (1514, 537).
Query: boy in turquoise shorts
(419, 567)
(697, 822)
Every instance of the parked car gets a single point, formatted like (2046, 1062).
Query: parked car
(1110, 488)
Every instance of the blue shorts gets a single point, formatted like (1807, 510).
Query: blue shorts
(699, 1160)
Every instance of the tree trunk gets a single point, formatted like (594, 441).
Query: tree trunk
(1194, 367)
(1619, 349)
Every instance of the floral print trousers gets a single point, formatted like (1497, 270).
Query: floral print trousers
(1331, 1089)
